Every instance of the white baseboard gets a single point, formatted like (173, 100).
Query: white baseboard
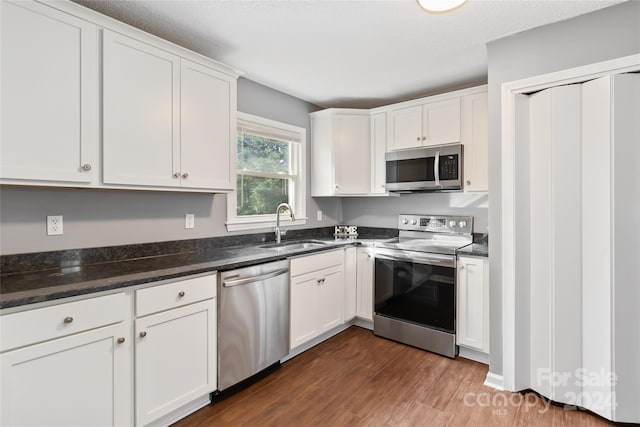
(317, 340)
(494, 381)
(475, 355)
(181, 412)
(364, 323)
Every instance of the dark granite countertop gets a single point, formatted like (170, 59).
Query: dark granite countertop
(68, 279)
(474, 249)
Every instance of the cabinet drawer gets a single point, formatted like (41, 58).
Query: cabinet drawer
(177, 294)
(42, 324)
(309, 263)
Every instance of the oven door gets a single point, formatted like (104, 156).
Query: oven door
(416, 287)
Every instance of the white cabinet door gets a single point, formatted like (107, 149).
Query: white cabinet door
(304, 306)
(79, 380)
(473, 304)
(352, 155)
(175, 359)
(330, 298)
(378, 150)
(475, 138)
(207, 128)
(340, 153)
(350, 283)
(365, 283)
(49, 111)
(441, 122)
(404, 128)
(141, 120)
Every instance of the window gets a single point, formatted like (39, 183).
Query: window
(270, 170)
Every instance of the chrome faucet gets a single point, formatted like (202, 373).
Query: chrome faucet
(293, 218)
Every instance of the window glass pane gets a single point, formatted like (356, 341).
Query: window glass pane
(260, 154)
(259, 196)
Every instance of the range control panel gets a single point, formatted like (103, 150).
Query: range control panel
(436, 223)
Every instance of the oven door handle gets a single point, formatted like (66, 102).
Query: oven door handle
(445, 261)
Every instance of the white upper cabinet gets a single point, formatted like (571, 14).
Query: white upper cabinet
(168, 115)
(49, 92)
(404, 128)
(432, 123)
(207, 127)
(475, 138)
(168, 121)
(341, 153)
(378, 149)
(141, 121)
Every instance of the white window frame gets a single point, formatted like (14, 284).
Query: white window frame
(259, 222)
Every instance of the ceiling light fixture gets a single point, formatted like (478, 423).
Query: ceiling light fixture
(440, 6)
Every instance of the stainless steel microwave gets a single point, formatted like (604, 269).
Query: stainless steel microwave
(436, 168)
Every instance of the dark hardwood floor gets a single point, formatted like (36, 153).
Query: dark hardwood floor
(357, 379)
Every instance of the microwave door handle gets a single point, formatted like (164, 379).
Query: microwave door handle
(436, 169)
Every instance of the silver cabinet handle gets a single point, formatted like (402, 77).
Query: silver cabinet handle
(86, 167)
(176, 175)
(185, 175)
(181, 294)
(143, 334)
(68, 319)
(436, 169)
(120, 340)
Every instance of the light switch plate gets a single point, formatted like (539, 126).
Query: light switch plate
(189, 221)
(319, 215)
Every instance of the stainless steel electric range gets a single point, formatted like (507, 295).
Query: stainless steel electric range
(415, 282)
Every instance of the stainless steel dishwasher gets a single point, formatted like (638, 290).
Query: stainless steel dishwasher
(253, 320)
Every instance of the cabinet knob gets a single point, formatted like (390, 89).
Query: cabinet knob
(120, 340)
(369, 256)
(68, 319)
(185, 175)
(423, 138)
(143, 334)
(176, 175)
(468, 182)
(86, 167)
(462, 267)
(418, 138)
(181, 294)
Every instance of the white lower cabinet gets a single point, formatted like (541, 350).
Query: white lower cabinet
(64, 377)
(74, 361)
(176, 356)
(364, 283)
(175, 359)
(350, 283)
(317, 295)
(472, 328)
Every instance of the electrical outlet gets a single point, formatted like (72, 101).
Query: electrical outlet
(54, 225)
(189, 221)
(319, 215)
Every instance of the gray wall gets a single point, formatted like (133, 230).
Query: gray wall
(605, 34)
(384, 211)
(94, 218)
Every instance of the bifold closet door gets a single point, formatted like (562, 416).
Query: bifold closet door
(611, 246)
(555, 239)
(584, 245)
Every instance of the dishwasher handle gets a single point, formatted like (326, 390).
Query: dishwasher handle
(252, 279)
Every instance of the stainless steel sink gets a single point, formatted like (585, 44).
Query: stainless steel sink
(295, 245)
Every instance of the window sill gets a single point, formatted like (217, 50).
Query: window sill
(262, 224)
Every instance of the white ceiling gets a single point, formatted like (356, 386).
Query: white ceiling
(348, 53)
